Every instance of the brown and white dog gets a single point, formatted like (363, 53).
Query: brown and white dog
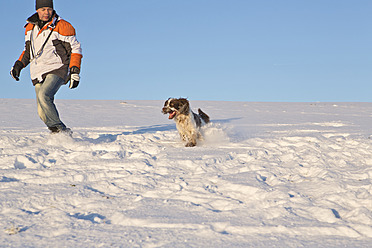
(188, 123)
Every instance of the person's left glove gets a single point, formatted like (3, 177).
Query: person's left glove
(15, 72)
(74, 77)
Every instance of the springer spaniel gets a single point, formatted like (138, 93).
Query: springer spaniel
(188, 123)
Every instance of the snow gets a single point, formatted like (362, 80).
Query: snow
(266, 174)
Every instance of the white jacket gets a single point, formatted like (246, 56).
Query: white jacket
(53, 55)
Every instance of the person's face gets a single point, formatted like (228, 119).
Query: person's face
(44, 13)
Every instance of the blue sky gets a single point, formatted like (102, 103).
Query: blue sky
(224, 50)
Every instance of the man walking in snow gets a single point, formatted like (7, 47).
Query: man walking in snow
(54, 55)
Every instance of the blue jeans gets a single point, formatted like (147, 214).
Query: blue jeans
(46, 108)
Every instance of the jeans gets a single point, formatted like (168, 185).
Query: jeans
(46, 108)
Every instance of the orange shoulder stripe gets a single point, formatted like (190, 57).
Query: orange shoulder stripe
(28, 27)
(65, 28)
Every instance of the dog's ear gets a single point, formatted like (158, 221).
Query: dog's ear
(167, 101)
(184, 105)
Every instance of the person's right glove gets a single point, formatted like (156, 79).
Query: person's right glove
(15, 72)
(74, 77)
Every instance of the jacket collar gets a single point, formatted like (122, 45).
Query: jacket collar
(34, 19)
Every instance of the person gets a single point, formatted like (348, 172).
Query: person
(54, 55)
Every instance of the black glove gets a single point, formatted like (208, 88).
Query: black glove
(74, 77)
(15, 72)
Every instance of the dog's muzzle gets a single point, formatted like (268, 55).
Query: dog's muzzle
(172, 113)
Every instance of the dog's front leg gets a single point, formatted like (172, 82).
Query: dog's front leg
(183, 136)
(190, 144)
(191, 141)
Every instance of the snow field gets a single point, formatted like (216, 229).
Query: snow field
(261, 177)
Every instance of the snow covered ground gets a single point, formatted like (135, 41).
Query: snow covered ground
(267, 174)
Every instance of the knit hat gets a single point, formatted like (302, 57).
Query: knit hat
(44, 3)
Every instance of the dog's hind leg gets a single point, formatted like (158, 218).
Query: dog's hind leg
(199, 136)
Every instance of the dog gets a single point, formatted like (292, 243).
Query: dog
(188, 123)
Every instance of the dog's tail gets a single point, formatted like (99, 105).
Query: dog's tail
(204, 116)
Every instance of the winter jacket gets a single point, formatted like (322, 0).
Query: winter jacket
(60, 52)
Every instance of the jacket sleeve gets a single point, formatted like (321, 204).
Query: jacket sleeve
(72, 45)
(25, 56)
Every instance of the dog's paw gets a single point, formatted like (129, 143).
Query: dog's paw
(190, 144)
